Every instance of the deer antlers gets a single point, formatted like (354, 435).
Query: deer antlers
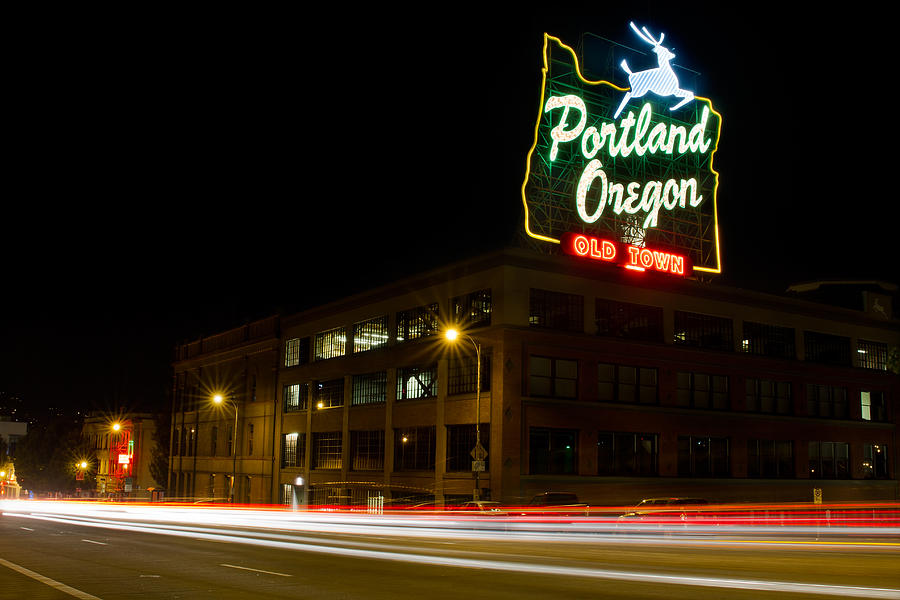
(646, 35)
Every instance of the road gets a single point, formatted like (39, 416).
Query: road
(116, 553)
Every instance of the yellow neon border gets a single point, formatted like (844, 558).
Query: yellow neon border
(537, 125)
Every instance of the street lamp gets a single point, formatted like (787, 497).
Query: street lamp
(219, 400)
(479, 453)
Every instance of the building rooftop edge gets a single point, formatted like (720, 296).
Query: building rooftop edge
(520, 257)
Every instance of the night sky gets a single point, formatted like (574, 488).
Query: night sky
(168, 178)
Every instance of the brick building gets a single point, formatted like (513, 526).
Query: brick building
(597, 380)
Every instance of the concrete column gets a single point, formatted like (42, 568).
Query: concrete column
(390, 398)
(440, 432)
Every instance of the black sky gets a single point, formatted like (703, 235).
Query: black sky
(169, 176)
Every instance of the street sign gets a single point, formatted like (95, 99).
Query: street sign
(478, 452)
(817, 495)
(478, 466)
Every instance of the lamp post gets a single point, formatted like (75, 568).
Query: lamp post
(119, 457)
(218, 399)
(478, 451)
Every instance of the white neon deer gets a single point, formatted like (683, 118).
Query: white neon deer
(661, 80)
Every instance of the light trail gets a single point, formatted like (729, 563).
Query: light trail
(416, 556)
(883, 531)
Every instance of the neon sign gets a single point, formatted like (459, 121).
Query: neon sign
(662, 80)
(625, 165)
(626, 255)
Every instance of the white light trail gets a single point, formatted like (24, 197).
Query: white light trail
(275, 529)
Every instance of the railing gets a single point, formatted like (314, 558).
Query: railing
(256, 330)
(376, 505)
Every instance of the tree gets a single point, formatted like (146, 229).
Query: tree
(46, 456)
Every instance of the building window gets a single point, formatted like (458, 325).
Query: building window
(291, 352)
(330, 394)
(768, 340)
(213, 440)
(770, 459)
(367, 450)
(553, 377)
(703, 331)
(875, 461)
(826, 401)
(771, 397)
(414, 449)
(556, 310)
(296, 352)
(370, 334)
(552, 451)
(872, 355)
(417, 322)
(872, 406)
(416, 382)
(472, 310)
(370, 388)
(331, 343)
(629, 321)
(827, 349)
(295, 397)
(461, 444)
(700, 456)
(634, 385)
(250, 439)
(327, 449)
(462, 373)
(699, 390)
(829, 460)
(627, 454)
(293, 447)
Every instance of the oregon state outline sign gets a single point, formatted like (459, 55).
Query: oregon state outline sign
(626, 171)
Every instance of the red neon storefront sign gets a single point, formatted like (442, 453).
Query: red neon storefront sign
(625, 255)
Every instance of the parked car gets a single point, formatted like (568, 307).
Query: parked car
(485, 507)
(563, 504)
(664, 510)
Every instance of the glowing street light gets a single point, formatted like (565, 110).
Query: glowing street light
(478, 451)
(219, 400)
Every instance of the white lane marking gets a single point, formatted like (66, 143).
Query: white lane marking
(26, 528)
(256, 570)
(148, 576)
(47, 581)
(93, 542)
